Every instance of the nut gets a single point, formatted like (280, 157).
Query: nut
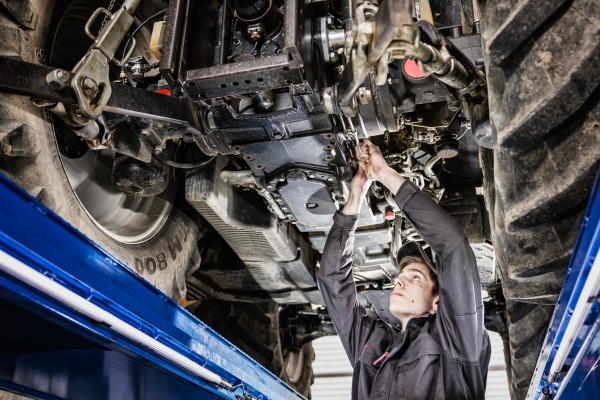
(90, 87)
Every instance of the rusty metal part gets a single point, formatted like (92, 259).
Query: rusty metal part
(94, 64)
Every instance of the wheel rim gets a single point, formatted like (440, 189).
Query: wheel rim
(294, 364)
(124, 218)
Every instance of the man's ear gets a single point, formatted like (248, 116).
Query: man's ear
(434, 306)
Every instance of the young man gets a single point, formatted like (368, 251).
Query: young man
(442, 350)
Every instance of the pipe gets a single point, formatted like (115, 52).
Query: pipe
(429, 170)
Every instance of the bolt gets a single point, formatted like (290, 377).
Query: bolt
(58, 79)
(282, 178)
(407, 118)
(330, 179)
(445, 121)
(269, 187)
(311, 176)
(90, 87)
(63, 76)
(89, 83)
(277, 135)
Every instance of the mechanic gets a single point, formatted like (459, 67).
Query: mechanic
(442, 349)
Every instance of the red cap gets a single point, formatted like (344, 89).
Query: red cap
(412, 70)
(389, 215)
(165, 91)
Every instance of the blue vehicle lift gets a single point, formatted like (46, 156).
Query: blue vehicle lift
(568, 364)
(78, 324)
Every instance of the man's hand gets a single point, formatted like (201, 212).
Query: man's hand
(358, 189)
(372, 162)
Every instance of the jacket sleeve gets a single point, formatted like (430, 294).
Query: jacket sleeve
(459, 321)
(336, 283)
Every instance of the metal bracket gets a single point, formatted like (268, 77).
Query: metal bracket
(91, 81)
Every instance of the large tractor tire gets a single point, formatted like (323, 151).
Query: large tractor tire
(148, 234)
(542, 61)
(255, 329)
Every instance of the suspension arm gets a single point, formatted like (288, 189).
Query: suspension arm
(42, 82)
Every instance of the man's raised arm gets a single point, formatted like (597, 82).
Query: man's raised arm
(460, 312)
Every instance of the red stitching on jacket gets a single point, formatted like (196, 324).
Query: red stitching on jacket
(384, 355)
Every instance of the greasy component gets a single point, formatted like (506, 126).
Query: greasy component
(373, 236)
(469, 211)
(125, 139)
(470, 46)
(225, 277)
(546, 154)
(328, 41)
(290, 116)
(377, 35)
(90, 80)
(277, 263)
(310, 201)
(393, 37)
(139, 179)
(257, 30)
(124, 100)
(247, 179)
(268, 69)
(250, 11)
(264, 100)
(253, 233)
(447, 147)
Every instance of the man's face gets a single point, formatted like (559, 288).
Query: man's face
(412, 295)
